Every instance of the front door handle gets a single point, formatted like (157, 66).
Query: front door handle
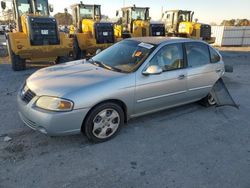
(181, 77)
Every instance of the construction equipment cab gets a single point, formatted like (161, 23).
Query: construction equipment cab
(92, 33)
(135, 22)
(35, 37)
(180, 23)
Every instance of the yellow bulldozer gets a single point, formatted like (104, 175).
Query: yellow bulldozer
(90, 33)
(135, 22)
(35, 37)
(180, 23)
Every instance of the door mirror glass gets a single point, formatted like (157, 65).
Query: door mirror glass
(3, 5)
(117, 13)
(153, 70)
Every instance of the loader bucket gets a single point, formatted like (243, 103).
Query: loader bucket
(222, 96)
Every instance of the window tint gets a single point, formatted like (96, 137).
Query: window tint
(169, 57)
(197, 54)
(214, 56)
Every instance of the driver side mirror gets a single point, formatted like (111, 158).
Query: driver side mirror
(51, 8)
(148, 18)
(152, 70)
(3, 5)
(117, 13)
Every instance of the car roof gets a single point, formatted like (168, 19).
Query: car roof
(159, 40)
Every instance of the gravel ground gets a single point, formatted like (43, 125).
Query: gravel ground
(189, 146)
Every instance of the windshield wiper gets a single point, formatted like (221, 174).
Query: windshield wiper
(103, 65)
(100, 64)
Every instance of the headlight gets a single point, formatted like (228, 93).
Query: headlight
(54, 104)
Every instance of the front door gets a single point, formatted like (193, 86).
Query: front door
(154, 92)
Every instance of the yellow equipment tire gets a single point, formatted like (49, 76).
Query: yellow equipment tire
(18, 64)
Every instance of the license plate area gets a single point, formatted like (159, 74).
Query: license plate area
(44, 32)
(105, 34)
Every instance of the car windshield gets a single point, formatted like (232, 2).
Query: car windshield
(139, 14)
(42, 7)
(24, 7)
(125, 56)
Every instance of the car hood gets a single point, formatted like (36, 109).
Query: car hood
(62, 79)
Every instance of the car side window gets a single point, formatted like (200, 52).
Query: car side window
(169, 57)
(215, 58)
(197, 54)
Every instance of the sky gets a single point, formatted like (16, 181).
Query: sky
(205, 11)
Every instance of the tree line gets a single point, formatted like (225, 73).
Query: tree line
(236, 22)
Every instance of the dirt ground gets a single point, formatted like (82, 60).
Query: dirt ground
(189, 146)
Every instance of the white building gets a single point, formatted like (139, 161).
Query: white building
(231, 35)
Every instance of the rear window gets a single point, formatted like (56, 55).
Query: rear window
(215, 57)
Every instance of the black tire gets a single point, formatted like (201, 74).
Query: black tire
(126, 35)
(77, 52)
(18, 64)
(89, 121)
(208, 101)
(62, 59)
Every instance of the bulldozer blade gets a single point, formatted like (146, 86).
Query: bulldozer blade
(222, 96)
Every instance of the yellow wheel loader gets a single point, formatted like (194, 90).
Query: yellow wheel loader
(135, 22)
(91, 32)
(180, 23)
(35, 37)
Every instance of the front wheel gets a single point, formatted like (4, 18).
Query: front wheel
(104, 122)
(17, 62)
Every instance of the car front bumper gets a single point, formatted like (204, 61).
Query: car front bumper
(50, 123)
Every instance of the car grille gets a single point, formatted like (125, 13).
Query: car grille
(43, 31)
(27, 96)
(28, 122)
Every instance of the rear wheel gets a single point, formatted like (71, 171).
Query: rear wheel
(208, 101)
(62, 59)
(126, 35)
(77, 52)
(104, 122)
(17, 62)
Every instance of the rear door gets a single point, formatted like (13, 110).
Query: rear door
(201, 73)
(220, 91)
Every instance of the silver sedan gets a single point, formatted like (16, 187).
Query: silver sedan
(131, 78)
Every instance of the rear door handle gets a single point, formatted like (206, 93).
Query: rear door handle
(181, 77)
(218, 70)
